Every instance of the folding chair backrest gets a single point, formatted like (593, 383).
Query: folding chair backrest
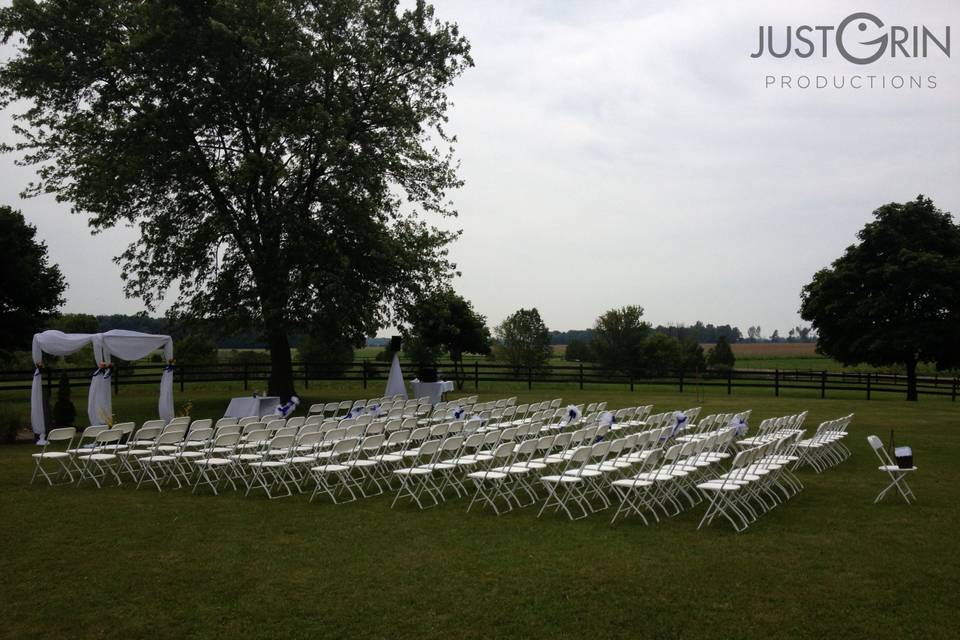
(63, 433)
(201, 424)
(248, 419)
(258, 436)
(225, 421)
(108, 435)
(310, 439)
(226, 428)
(298, 421)
(200, 435)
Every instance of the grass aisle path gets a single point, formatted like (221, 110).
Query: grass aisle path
(828, 564)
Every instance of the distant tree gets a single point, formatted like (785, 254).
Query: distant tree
(619, 338)
(578, 351)
(445, 321)
(196, 347)
(691, 356)
(721, 356)
(775, 336)
(32, 289)
(894, 298)
(76, 323)
(661, 355)
(524, 340)
(791, 335)
(278, 159)
(64, 413)
(334, 355)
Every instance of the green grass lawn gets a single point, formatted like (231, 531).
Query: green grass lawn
(828, 564)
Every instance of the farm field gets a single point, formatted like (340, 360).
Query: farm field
(828, 563)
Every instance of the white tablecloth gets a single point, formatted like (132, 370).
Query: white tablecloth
(250, 406)
(433, 390)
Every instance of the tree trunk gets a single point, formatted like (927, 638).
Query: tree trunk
(912, 380)
(281, 365)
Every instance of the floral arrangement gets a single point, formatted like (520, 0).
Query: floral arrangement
(185, 410)
(288, 407)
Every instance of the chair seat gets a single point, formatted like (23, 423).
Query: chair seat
(52, 454)
(134, 452)
(893, 467)
(719, 486)
(658, 476)
(245, 457)
(632, 484)
(189, 454)
(388, 457)
(361, 463)
(213, 462)
(584, 473)
(558, 479)
(303, 459)
(329, 468)
(413, 471)
(268, 464)
(487, 475)
(152, 459)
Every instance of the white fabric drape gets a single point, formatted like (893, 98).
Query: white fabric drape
(395, 384)
(56, 343)
(129, 345)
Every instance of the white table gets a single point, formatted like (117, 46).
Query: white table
(433, 390)
(252, 406)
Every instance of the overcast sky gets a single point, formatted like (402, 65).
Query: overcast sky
(629, 153)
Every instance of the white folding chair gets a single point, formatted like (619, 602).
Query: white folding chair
(54, 455)
(898, 475)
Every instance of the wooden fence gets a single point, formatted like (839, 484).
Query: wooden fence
(476, 375)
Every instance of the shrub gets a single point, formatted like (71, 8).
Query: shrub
(721, 356)
(64, 413)
(10, 423)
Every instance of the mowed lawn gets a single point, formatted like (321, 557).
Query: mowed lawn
(124, 563)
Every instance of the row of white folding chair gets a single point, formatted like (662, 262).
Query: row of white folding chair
(825, 448)
(775, 428)
(757, 482)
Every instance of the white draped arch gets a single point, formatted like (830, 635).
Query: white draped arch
(129, 345)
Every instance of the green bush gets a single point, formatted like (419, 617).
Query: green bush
(64, 413)
(10, 423)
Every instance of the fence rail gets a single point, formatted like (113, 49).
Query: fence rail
(475, 374)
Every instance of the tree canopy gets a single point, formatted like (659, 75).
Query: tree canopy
(524, 340)
(620, 339)
(721, 355)
(276, 156)
(445, 321)
(893, 298)
(32, 288)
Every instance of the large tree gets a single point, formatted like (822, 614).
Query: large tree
(894, 298)
(276, 156)
(32, 288)
(524, 340)
(620, 339)
(445, 321)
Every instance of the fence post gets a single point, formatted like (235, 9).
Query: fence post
(776, 383)
(181, 369)
(953, 393)
(116, 380)
(631, 382)
(246, 375)
(581, 376)
(868, 385)
(529, 377)
(681, 380)
(730, 381)
(476, 375)
(823, 384)
(306, 375)
(364, 368)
